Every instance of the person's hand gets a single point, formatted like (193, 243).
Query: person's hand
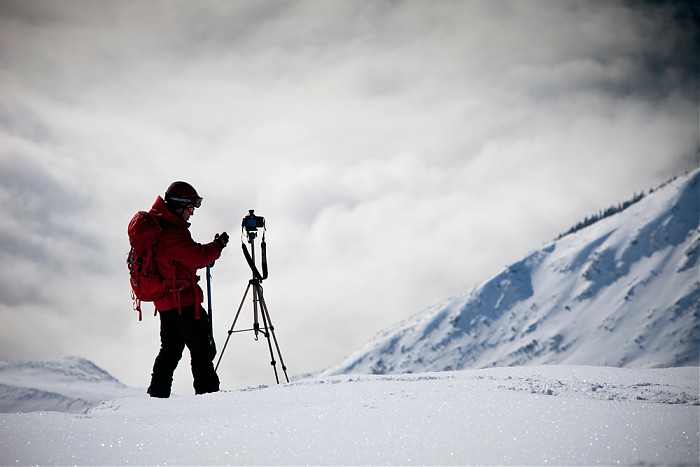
(222, 238)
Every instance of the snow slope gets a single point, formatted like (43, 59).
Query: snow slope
(64, 384)
(560, 415)
(624, 292)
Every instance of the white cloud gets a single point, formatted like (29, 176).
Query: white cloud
(401, 151)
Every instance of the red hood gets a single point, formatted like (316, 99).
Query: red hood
(161, 211)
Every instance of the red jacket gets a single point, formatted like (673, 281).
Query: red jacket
(178, 257)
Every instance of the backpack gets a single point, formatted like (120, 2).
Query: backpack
(147, 284)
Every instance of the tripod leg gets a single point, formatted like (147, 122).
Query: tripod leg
(269, 345)
(230, 331)
(268, 323)
(277, 346)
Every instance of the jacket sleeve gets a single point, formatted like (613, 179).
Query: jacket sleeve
(182, 248)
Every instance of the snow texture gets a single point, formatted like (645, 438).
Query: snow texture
(548, 415)
(622, 292)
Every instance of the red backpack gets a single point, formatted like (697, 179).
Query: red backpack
(147, 284)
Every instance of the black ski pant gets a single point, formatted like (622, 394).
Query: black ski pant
(179, 328)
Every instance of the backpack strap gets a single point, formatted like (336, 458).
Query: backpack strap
(176, 290)
(197, 301)
(137, 304)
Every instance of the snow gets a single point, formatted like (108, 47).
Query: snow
(606, 319)
(67, 384)
(624, 292)
(539, 415)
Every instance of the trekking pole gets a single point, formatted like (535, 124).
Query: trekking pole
(209, 310)
(209, 291)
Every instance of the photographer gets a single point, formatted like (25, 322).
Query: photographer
(183, 320)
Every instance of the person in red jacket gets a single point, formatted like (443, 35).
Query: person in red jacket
(183, 320)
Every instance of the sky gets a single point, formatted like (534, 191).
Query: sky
(401, 152)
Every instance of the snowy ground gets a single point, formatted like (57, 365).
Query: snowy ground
(543, 415)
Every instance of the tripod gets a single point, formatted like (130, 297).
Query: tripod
(259, 305)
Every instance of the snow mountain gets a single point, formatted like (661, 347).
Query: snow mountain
(64, 384)
(622, 292)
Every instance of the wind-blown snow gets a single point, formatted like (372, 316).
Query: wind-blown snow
(624, 292)
(559, 415)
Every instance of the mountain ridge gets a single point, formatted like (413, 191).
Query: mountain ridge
(65, 384)
(623, 291)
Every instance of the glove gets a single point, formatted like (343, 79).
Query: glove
(222, 238)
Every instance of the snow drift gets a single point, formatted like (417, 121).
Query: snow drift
(622, 292)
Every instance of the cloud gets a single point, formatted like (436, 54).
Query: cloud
(401, 151)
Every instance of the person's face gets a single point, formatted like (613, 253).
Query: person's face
(186, 213)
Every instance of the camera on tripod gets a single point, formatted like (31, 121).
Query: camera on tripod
(251, 222)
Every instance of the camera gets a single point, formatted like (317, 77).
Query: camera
(252, 222)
